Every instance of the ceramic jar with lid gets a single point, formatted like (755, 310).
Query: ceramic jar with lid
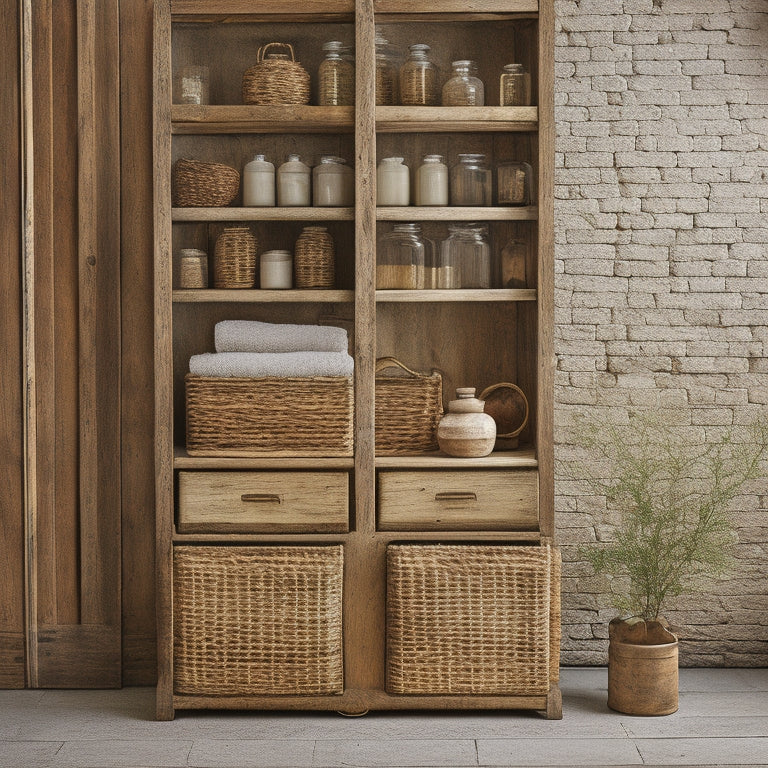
(294, 185)
(276, 270)
(392, 182)
(431, 187)
(259, 183)
(333, 183)
(466, 431)
(464, 88)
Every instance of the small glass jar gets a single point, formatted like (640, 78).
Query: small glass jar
(471, 181)
(386, 72)
(431, 186)
(400, 258)
(513, 183)
(464, 89)
(418, 78)
(336, 77)
(467, 250)
(514, 86)
(513, 258)
(392, 182)
(294, 183)
(276, 270)
(191, 85)
(333, 183)
(259, 183)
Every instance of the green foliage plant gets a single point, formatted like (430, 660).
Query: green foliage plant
(673, 498)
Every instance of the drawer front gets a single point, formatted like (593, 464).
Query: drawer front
(263, 502)
(458, 501)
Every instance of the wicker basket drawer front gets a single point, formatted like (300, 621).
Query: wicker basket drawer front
(458, 501)
(257, 620)
(471, 619)
(263, 502)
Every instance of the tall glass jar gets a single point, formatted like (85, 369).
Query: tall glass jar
(191, 85)
(464, 89)
(400, 258)
(333, 183)
(336, 77)
(468, 251)
(514, 86)
(259, 183)
(386, 72)
(431, 187)
(513, 183)
(418, 78)
(471, 181)
(392, 182)
(294, 187)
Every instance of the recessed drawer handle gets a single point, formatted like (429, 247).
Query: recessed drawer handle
(456, 496)
(270, 498)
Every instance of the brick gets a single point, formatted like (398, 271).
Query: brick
(589, 23)
(704, 67)
(676, 52)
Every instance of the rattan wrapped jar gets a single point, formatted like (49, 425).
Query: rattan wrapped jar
(234, 259)
(193, 268)
(276, 78)
(314, 258)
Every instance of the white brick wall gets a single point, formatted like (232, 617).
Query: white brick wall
(662, 269)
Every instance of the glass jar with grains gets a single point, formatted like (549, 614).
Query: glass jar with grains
(418, 78)
(467, 250)
(386, 72)
(336, 77)
(471, 182)
(514, 86)
(400, 258)
(464, 88)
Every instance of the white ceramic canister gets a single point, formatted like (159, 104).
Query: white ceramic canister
(333, 183)
(276, 269)
(294, 183)
(259, 183)
(392, 182)
(431, 187)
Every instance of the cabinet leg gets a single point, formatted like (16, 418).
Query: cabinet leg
(554, 710)
(164, 706)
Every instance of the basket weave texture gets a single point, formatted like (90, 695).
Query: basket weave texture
(257, 620)
(314, 258)
(472, 619)
(234, 258)
(196, 184)
(408, 409)
(270, 416)
(276, 79)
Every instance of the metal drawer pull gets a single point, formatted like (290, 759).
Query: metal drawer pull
(272, 498)
(456, 496)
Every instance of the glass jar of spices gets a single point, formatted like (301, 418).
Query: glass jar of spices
(418, 78)
(400, 258)
(464, 88)
(471, 182)
(514, 86)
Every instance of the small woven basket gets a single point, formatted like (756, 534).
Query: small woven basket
(257, 620)
(234, 259)
(472, 619)
(275, 78)
(314, 257)
(203, 185)
(408, 408)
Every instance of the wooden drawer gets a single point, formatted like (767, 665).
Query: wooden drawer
(458, 501)
(263, 502)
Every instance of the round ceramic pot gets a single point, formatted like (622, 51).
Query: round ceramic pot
(465, 431)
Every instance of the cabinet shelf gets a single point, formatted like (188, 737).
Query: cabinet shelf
(458, 294)
(439, 460)
(182, 460)
(210, 295)
(264, 10)
(245, 118)
(456, 119)
(457, 213)
(262, 214)
(458, 9)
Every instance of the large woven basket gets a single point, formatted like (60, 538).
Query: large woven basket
(269, 416)
(196, 184)
(472, 619)
(257, 620)
(313, 261)
(234, 258)
(408, 408)
(275, 78)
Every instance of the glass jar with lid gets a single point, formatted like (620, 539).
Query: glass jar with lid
(336, 77)
(418, 78)
(513, 183)
(333, 182)
(471, 181)
(431, 183)
(259, 182)
(392, 182)
(467, 250)
(191, 85)
(386, 72)
(294, 187)
(514, 86)
(400, 258)
(464, 88)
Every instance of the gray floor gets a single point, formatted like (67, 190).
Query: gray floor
(723, 720)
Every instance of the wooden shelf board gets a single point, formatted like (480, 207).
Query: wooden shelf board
(262, 214)
(458, 294)
(208, 295)
(457, 213)
(459, 7)
(264, 10)
(438, 460)
(182, 460)
(456, 119)
(245, 118)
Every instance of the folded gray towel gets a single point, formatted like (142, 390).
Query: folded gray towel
(281, 364)
(255, 336)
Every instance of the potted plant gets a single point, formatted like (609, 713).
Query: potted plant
(670, 530)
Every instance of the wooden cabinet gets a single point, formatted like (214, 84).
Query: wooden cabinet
(364, 505)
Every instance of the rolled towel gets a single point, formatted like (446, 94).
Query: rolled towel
(280, 364)
(255, 336)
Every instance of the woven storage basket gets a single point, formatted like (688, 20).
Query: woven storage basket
(471, 619)
(257, 620)
(234, 258)
(313, 261)
(408, 409)
(269, 416)
(203, 185)
(276, 79)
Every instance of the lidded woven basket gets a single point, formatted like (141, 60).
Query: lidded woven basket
(276, 78)
(314, 258)
(234, 259)
(198, 184)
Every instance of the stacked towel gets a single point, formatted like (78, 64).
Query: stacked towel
(280, 364)
(254, 336)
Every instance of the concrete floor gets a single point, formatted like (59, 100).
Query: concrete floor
(723, 720)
